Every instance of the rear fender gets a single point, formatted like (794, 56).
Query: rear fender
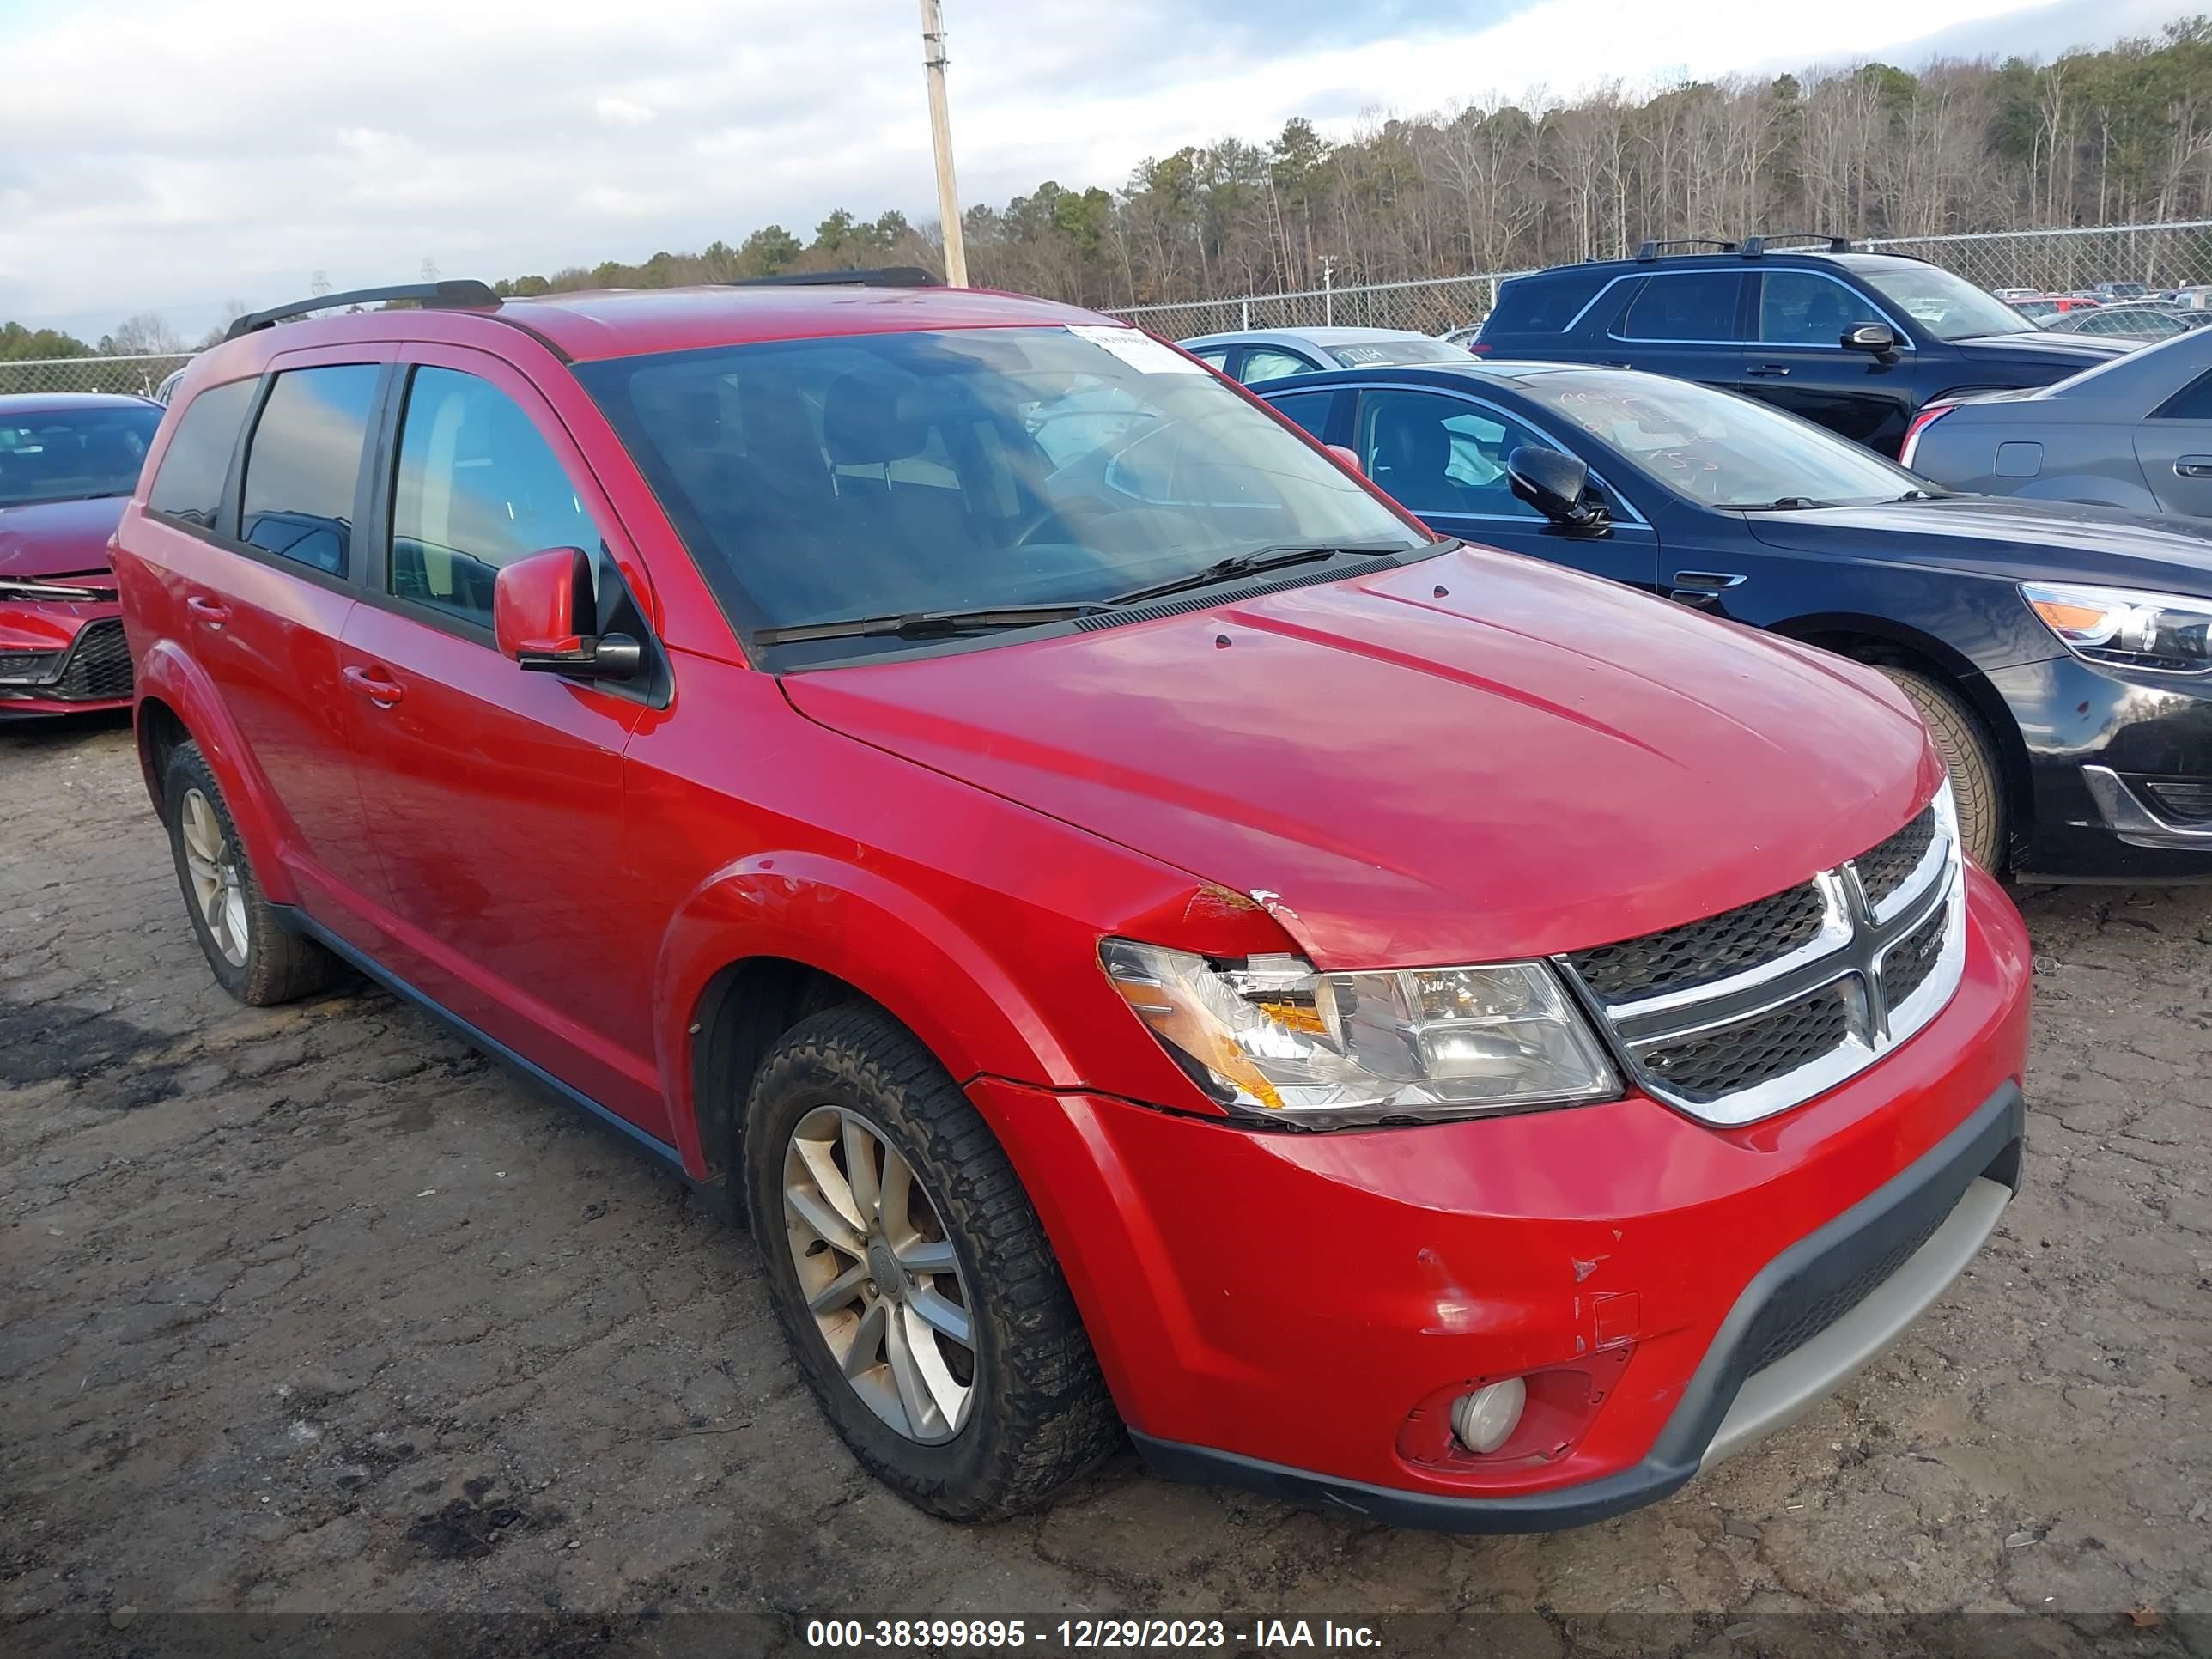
(167, 675)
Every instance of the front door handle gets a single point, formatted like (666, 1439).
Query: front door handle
(372, 685)
(211, 613)
(1768, 369)
(2193, 467)
(1702, 587)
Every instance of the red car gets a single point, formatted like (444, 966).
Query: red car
(1149, 934)
(67, 463)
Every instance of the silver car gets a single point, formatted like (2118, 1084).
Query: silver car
(1275, 354)
(2133, 432)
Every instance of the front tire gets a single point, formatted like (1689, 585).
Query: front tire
(911, 1274)
(1977, 784)
(253, 956)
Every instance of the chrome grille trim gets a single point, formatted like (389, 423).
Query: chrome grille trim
(1853, 949)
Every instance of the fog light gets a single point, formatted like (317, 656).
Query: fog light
(1485, 1420)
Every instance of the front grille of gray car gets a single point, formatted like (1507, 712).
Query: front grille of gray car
(1759, 1009)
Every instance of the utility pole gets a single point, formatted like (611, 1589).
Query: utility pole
(940, 133)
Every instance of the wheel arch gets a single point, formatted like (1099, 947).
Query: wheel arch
(176, 704)
(1880, 643)
(768, 940)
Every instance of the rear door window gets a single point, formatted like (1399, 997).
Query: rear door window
(1693, 307)
(479, 488)
(303, 465)
(188, 487)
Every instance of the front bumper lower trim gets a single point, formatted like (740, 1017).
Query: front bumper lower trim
(2127, 816)
(1967, 1178)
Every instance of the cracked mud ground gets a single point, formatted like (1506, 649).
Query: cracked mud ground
(313, 1309)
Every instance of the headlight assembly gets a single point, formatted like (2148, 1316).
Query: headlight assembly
(2166, 633)
(1273, 1038)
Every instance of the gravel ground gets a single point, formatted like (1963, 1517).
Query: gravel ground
(313, 1309)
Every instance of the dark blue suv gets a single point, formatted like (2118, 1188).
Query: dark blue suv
(1857, 341)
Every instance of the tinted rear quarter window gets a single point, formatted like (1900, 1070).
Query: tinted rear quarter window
(2193, 403)
(304, 463)
(189, 486)
(1542, 304)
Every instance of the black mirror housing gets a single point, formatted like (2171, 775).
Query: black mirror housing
(590, 657)
(1554, 483)
(1877, 339)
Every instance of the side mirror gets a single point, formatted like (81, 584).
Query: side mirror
(1553, 483)
(536, 605)
(1349, 455)
(1877, 339)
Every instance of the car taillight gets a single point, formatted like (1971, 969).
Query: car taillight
(1479, 348)
(1921, 423)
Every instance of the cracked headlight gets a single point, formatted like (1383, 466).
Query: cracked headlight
(1271, 1037)
(2166, 632)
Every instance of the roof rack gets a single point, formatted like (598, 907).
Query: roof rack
(465, 292)
(1651, 250)
(1755, 245)
(888, 276)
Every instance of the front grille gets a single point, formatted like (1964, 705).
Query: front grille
(1756, 1010)
(2182, 801)
(1703, 951)
(1907, 966)
(1714, 1064)
(99, 667)
(1884, 870)
(1787, 1324)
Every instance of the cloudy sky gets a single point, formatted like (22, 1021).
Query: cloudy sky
(174, 154)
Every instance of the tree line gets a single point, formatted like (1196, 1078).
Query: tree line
(2123, 135)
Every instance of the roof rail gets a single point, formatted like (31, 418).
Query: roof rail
(1755, 245)
(434, 295)
(1651, 250)
(888, 276)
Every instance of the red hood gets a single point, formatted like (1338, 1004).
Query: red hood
(1537, 763)
(57, 539)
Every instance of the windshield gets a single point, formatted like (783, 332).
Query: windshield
(1949, 308)
(823, 479)
(1368, 354)
(1717, 449)
(71, 454)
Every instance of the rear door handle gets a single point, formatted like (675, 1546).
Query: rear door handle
(1702, 587)
(379, 690)
(211, 613)
(1768, 369)
(2193, 467)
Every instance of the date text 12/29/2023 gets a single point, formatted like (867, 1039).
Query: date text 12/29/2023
(1080, 1635)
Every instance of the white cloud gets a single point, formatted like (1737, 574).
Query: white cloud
(240, 145)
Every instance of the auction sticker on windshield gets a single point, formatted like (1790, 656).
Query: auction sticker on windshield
(1138, 348)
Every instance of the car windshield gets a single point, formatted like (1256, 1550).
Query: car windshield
(1949, 308)
(826, 479)
(1717, 449)
(1370, 354)
(69, 454)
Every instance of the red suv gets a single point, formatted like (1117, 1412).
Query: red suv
(1149, 934)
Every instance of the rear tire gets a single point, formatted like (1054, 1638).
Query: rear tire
(1028, 1409)
(253, 955)
(1970, 758)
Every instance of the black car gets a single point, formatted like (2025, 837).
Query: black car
(2061, 655)
(1857, 341)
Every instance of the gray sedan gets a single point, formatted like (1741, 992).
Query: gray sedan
(2134, 432)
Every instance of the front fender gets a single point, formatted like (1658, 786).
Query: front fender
(845, 921)
(167, 675)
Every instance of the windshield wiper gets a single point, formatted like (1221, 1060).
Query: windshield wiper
(927, 624)
(1247, 564)
(1785, 504)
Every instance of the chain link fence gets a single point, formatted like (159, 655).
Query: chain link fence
(2159, 256)
(133, 376)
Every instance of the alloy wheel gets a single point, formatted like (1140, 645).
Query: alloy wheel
(218, 882)
(878, 1274)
